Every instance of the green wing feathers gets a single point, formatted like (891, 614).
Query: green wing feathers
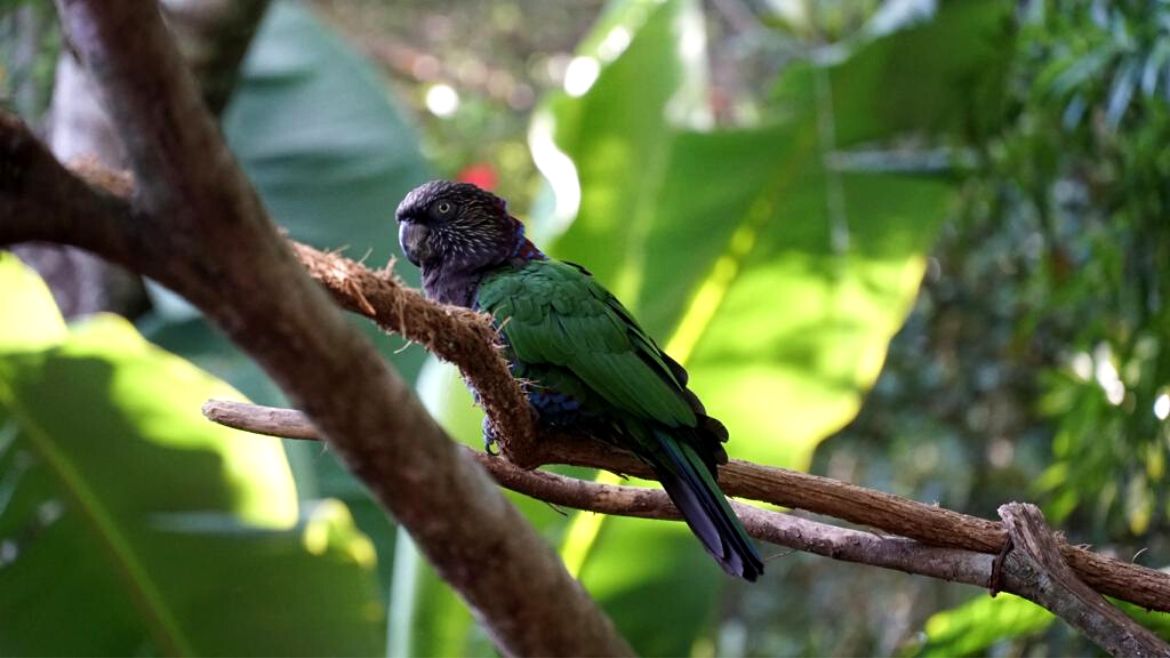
(567, 333)
(552, 313)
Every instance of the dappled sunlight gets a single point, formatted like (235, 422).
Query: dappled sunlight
(560, 172)
(157, 388)
(32, 319)
(330, 527)
(156, 521)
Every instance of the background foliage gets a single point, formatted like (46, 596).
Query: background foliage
(918, 246)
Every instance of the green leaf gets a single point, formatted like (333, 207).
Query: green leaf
(316, 132)
(130, 525)
(777, 266)
(34, 322)
(981, 622)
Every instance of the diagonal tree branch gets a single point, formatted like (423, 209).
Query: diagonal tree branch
(197, 226)
(213, 36)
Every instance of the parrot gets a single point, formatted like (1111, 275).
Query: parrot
(584, 360)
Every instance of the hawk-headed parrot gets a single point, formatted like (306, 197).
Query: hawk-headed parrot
(585, 360)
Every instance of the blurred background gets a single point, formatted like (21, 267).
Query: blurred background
(919, 246)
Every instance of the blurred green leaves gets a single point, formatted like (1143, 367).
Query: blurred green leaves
(981, 622)
(131, 525)
(320, 138)
(1081, 170)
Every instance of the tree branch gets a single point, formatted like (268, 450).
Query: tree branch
(1034, 569)
(41, 201)
(782, 529)
(1037, 562)
(197, 226)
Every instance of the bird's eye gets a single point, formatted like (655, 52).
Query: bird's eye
(443, 208)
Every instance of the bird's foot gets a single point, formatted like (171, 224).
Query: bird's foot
(490, 437)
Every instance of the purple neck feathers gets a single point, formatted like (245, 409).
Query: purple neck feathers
(456, 283)
(523, 250)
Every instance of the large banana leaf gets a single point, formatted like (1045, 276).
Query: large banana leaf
(129, 525)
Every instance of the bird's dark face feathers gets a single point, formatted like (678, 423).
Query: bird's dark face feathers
(455, 226)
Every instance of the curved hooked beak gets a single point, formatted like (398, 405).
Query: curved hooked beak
(412, 237)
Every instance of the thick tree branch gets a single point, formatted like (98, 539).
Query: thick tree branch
(1034, 569)
(197, 226)
(213, 35)
(41, 201)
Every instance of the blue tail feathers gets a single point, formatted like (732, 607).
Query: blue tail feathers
(691, 485)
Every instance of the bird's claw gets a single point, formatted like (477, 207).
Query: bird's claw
(490, 438)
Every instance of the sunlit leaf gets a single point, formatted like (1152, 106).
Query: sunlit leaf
(981, 622)
(32, 318)
(129, 525)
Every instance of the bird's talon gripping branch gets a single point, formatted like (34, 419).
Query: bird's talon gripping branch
(995, 583)
(491, 438)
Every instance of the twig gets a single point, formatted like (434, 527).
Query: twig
(1035, 570)
(965, 566)
(781, 529)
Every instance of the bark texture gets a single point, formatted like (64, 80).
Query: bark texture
(195, 224)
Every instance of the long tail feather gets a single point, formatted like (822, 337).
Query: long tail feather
(692, 487)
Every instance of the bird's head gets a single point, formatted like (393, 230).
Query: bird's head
(455, 226)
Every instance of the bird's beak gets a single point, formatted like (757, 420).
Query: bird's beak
(412, 237)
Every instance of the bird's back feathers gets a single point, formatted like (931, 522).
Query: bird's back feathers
(584, 354)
